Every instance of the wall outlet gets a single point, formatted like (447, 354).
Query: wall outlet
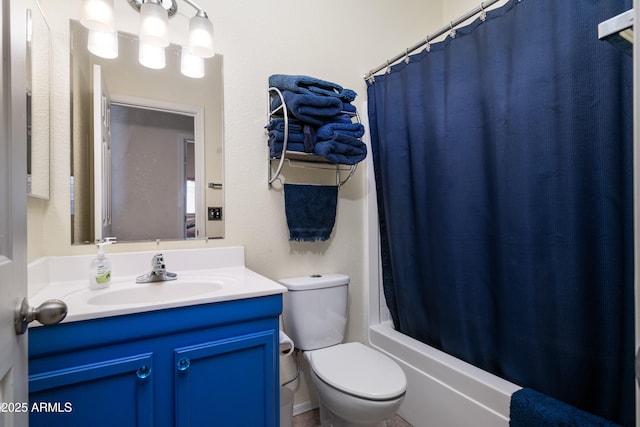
(214, 213)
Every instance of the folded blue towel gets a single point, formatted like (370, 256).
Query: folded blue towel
(275, 148)
(310, 211)
(311, 109)
(349, 108)
(530, 408)
(342, 149)
(278, 124)
(330, 130)
(299, 133)
(310, 85)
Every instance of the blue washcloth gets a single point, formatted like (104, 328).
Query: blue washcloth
(330, 130)
(310, 211)
(530, 408)
(342, 149)
(310, 85)
(311, 109)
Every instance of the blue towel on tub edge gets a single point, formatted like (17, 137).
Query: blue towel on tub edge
(530, 408)
(310, 211)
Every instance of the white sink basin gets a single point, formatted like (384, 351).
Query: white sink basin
(144, 293)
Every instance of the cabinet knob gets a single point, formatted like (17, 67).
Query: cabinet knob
(183, 364)
(143, 372)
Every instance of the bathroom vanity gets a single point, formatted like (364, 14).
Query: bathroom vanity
(212, 360)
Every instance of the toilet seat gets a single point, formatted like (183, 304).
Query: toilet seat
(359, 370)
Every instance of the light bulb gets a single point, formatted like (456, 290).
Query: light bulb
(201, 36)
(98, 15)
(151, 56)
(104, 45)
(191, 65)
(154, 23)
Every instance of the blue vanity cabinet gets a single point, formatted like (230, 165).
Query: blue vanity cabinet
(205, 365)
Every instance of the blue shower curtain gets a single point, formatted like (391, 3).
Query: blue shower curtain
(503, 164)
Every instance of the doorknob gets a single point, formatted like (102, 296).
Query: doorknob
(49, 312)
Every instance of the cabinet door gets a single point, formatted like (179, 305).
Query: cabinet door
(231, 382)
(117, 392)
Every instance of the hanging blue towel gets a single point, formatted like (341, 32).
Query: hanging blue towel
(311, 85)
(310, 211)
(530, 408)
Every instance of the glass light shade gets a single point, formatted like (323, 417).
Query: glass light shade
(201, 37)
(191, 65)
(98, 15)
(154, 24)
(151, 56)
(104, 45)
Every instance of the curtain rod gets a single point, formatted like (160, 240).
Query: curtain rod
(431, 37)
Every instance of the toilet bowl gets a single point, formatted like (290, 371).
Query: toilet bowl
(356, 385)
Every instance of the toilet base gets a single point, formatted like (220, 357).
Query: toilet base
(327, 419)
(342, 410)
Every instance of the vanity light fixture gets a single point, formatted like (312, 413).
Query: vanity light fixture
(98, 17)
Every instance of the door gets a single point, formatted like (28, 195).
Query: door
(13, 212)
(101, 155)
(636, 197)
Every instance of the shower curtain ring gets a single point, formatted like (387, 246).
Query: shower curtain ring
(483, 13)
(453, 31)
(388, 67)
(406, 56)
(428, 44)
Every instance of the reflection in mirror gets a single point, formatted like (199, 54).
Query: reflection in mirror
(38, 87)
(148, 164)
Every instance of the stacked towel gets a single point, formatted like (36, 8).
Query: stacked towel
(311, 86)
(301, 137)
(312, 109)
(325, 111)
(342, 149)
(530, 408)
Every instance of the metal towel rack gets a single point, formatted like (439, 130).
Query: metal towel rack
(297, 158)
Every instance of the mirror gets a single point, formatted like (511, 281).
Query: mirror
(146, 158)
(37, 92)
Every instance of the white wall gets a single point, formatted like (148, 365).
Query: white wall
(333, 40)
(452, 10)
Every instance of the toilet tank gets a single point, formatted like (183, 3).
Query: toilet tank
(315, 310)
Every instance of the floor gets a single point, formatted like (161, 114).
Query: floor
(312, 419)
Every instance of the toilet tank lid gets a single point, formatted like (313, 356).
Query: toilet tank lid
(315, 281)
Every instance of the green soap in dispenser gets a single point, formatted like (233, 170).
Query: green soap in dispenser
(100, 267)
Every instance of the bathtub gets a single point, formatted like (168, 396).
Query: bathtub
(443, 391)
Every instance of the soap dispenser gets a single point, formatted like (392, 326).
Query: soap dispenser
(100, 267)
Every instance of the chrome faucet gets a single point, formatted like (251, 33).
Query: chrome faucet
(158, 272)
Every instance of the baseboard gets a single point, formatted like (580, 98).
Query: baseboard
(303, 407)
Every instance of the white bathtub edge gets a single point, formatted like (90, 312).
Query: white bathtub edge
(444, 391)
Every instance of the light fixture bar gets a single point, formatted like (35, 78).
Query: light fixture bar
(170, 6)
(200, 10)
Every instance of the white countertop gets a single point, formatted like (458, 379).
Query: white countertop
(58, 278)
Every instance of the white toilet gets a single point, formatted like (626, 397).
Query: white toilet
(356, 385)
